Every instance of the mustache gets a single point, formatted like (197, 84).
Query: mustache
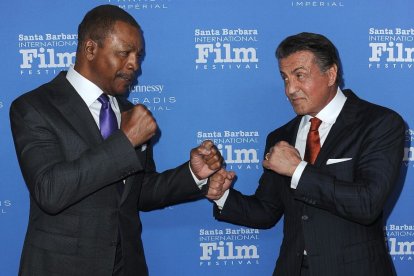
(126, 76)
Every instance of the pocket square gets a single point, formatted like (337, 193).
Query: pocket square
(333, 161)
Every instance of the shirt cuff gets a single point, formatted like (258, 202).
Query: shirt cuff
(220, 202)
(297, 174)
(200, 183)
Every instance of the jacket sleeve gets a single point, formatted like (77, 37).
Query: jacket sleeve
(263, 209)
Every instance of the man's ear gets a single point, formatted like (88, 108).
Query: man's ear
(332, 73)
(89, 48)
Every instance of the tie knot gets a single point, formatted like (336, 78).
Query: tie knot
(315, 123)
(104, 100)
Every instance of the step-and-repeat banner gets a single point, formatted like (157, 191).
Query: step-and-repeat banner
(210, 72)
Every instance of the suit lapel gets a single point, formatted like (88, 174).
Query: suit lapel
(290, 131)
(341, 127)
(125, 105)
(75, 111)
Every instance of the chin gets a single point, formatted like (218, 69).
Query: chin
(299, 111)
(121, 92)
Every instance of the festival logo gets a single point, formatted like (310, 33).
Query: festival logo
(141, 5)
(391, 48)
(226, 49)
(5, 206)
(46, 53)
(400, 241)
(318, 4)
(229, 247)
(238, 148)
(154, 96)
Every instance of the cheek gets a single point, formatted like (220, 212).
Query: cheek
(310, 89)
(111, 63)
(113, 66)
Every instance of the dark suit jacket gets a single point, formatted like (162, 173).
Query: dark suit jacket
(336, 211)
(76, 211)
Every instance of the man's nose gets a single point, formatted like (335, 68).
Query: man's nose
(291, 87)
(133, 63)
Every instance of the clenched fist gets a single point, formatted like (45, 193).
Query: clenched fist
(219, 183)
(282, 158)
(205, 160)
(138, 124)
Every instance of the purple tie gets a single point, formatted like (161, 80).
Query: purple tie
(107, 118)
(108, 124)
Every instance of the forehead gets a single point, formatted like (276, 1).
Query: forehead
(297, 60)
(127, 34)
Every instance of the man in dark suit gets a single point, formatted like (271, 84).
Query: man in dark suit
(332, 203)
(86, 190)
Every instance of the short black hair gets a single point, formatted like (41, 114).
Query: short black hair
(324, 50)
(99, 22)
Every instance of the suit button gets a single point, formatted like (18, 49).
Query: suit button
(305, 217)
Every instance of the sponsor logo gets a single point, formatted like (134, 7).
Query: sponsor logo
(318, 4)
(391, 48)
(5, 206)
(154, 96)
(226, 49)
(141, 4)
(238, 148)
(229, 247)
(400, 241)
(47, 53)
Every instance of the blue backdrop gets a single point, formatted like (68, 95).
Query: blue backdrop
(210, 72)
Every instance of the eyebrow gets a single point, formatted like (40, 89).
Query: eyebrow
(127, 45)
(298, 68)
(294, 70)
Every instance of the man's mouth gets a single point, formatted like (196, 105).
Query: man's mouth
(127, 77)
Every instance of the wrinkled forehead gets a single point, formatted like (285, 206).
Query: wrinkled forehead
(296, 60)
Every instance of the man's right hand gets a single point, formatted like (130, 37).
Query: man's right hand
(138, 124)
(282, 158)
(219, 182)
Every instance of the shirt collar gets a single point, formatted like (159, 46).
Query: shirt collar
(331, 111)
(88, 91)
